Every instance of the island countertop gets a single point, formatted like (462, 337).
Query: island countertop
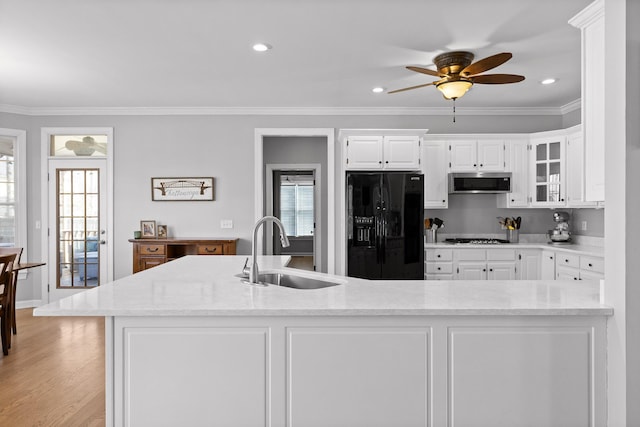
(207, 286)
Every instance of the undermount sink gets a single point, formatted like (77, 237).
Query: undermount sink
(292, 281)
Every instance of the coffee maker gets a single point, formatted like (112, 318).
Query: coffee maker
(560, 234)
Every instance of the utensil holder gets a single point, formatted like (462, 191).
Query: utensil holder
(513, 236)
(432, 235)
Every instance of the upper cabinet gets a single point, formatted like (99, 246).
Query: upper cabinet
(517, 154)
(548, 174)
(590, 21)
(434, 168)
(473, 155)
(376, 149)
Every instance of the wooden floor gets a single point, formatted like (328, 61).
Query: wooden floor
(301, 262)
(54, 373)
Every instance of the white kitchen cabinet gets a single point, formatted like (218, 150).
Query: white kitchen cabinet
(575, 170)
(529, 264)
(548, 175)
(480, 264)
(438, 264)
(471, 155)
(579, 267)
(548, 265)
(434, 168)
(518, 165)
(374, 152)
(590, 21)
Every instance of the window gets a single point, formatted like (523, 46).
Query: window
(296, 204)
(12, 188)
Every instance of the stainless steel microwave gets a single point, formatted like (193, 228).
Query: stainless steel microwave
(479, 182)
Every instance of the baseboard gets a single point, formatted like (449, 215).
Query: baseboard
(28, 303)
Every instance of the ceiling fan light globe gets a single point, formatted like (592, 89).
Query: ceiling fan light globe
(454, 89)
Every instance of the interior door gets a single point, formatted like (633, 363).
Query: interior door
(77, 226)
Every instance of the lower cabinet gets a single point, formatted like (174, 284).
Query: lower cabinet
(510, 264)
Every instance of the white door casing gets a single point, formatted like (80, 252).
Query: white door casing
(48, 203)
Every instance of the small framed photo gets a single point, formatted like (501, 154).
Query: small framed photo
(148, 229)
(162, 231)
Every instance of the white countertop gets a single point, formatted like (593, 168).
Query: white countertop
(206, 286)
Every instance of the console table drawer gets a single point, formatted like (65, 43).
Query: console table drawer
(146, 249)
(214, 249)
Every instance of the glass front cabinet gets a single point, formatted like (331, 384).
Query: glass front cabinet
(548, 169)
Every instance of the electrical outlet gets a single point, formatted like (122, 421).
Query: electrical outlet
(226, 223)
(584, 226)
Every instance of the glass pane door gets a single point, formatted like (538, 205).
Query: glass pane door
(78, 225)
(549, 179)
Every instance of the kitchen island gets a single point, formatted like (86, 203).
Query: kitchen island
(188, 344)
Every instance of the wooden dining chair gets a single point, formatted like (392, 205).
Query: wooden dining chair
(12, 305)
(6, 288)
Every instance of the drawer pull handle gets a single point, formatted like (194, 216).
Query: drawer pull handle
(438, 255)
(439, 269)
(590, 265)
(152, 249)
(211, 250)
(566, 260)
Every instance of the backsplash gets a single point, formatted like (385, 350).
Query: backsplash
(471, 214)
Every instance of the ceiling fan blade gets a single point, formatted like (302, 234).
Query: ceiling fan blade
(413, 87)
(424, 71)
(496, 79)
(486, 64)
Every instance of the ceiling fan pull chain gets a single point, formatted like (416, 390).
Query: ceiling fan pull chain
(454, 110)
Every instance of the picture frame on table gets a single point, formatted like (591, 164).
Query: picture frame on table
(148, 229)
(162, 231)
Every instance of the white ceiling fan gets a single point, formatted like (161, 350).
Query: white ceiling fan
(86, 147)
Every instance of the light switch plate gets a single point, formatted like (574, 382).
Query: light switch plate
(226, 223)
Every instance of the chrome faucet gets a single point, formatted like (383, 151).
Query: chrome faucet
(254, 272)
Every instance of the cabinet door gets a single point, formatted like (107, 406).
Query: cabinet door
(401, 152)
(491, 156)
(548, 265)
(519, 167)
(463, 156)
(529, 264)
(434, 168)
(548, 172)
(364, 152)
(567, 273)
(471, 271)
(575, 171)
(501, 270)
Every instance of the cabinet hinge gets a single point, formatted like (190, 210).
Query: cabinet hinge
(449, 147)
(519, 256)
(347, 160)
(47, 287)
(449, 164)
(347, 142)
(458, 270)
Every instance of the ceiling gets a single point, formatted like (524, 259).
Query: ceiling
(327, 54)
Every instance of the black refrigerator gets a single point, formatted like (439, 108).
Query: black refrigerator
(385, 223)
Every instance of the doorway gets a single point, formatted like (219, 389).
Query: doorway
(77, 216)
(322, 137)
(293, 195)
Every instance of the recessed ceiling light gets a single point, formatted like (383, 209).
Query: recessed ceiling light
(261, 47)
(378, 89)
(548, 81)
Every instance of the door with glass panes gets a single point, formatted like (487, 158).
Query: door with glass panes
(77, 213)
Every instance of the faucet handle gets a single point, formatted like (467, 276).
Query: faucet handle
(246, 269)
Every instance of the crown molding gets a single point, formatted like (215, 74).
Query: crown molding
(287, 111)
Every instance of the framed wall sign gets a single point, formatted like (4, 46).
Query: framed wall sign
(181, 189)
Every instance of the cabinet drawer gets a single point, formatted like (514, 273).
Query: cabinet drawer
(439, 276)
(439, 254)
(439, 267)
(151, 249)
(501, 255)
(567, 273)
(568, 260)
(212, 249)
(589, 263)
(471, 254)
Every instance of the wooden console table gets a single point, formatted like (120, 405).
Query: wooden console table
(148, 253)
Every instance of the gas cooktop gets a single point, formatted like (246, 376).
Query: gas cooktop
(476, 241)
